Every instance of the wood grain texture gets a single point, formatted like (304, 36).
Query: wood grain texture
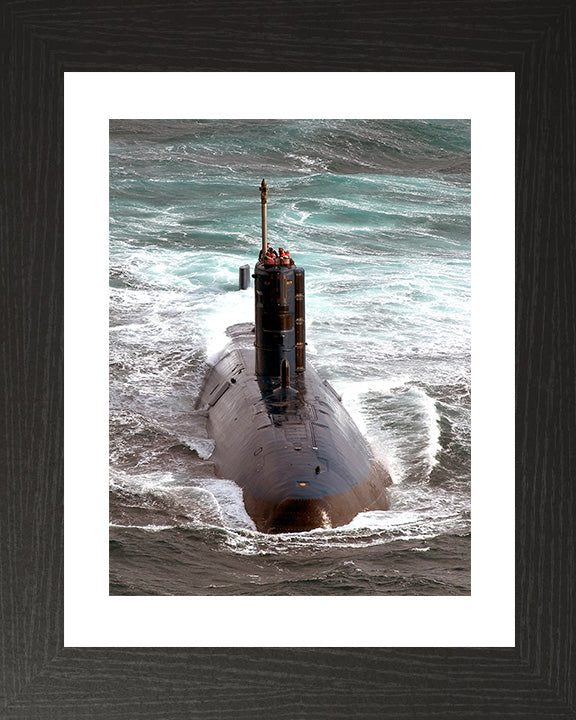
(39, 41)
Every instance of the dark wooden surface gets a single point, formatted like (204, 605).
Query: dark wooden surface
(40, 40)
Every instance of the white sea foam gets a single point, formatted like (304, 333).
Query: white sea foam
(148, 528)
(353, 394)
(431, 421)
(227, 309)
(210, 501)
(229, 497)
(412, 431)
(204, 447)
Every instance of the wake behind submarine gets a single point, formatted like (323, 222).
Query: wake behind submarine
(280, 431)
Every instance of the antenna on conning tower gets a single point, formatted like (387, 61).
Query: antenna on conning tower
(264, 199)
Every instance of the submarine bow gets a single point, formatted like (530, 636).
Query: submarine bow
(280, 431)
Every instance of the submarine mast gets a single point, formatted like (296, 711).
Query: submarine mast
(264, 201)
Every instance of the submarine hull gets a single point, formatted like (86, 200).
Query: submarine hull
(295, 451)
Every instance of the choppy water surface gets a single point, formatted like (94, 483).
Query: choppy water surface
(378, 213)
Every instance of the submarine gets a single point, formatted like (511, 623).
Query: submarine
(280, 431)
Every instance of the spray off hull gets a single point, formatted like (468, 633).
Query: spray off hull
(296, 453)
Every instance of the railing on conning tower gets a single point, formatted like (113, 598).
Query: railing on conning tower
(280, 326)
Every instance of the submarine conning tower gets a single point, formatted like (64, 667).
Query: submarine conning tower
(279, 313)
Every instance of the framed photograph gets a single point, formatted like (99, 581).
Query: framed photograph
(173, 183)
(72, 646)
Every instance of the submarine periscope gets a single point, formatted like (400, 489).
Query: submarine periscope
(280, 431)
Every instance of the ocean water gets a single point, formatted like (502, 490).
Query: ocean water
(378, 213)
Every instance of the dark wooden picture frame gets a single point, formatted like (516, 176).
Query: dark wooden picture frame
(39, 678)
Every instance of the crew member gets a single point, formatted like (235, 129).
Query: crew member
(285, 258)
(270, 252)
